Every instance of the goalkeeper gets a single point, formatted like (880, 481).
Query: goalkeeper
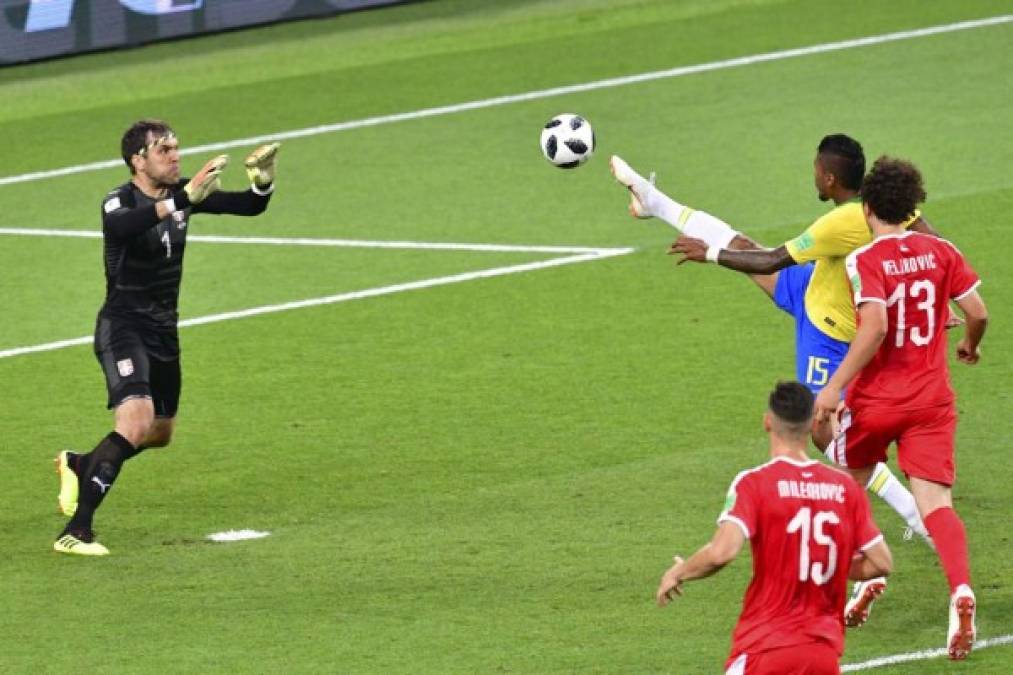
(144, 226)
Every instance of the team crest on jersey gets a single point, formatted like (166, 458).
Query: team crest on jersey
(803, 241)
(125, 367)
(179, 217)
(111, 205)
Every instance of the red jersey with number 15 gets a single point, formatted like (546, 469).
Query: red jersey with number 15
(915, 275)
(804, 522)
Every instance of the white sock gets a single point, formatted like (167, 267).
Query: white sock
(693, 223)
(884, 484)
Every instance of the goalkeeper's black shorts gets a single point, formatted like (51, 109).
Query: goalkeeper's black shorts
(138, 363)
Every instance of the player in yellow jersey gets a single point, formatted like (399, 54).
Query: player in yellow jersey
(805, 277)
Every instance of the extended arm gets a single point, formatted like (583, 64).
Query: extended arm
(124, 223)
(260, 167)
(249, 203)
(720, 551)
(872, 324)
(760, 261)
(875, 561)
(752, 261)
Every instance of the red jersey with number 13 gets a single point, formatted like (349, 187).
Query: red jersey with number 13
(915, 275)
(804, 522)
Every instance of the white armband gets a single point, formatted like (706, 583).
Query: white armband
(712, 253)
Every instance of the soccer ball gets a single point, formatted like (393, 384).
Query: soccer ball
(567, 140)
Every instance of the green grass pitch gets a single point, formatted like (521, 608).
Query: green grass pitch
(488, 476)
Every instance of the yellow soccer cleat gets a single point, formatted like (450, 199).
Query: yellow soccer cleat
(79, 544)
(67, 499)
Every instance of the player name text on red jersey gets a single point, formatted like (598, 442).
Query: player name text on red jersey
(810, 490)
(908, 265)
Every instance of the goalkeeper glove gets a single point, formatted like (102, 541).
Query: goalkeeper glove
(206, 181)
(260, 165)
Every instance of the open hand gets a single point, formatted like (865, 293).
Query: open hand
(207, 180)
(690, 248)
(260, 165)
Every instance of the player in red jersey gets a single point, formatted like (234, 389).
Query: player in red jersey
(810, 530)
(896, 374)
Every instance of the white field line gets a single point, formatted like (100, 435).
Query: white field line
(540, 94)
(309, 241)
(597, 254)
(921, 656)
(237, 535)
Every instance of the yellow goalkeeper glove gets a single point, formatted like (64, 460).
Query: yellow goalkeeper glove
(207, 180)
(260, 165)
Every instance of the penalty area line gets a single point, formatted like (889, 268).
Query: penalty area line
(326, 242)
(539, 94)
(922, 655)
(353, 295)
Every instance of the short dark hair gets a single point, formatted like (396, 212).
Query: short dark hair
(893, 189)
(848, 159)
(135, 139)
(792, 403)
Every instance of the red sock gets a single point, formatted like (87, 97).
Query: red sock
(947, 530)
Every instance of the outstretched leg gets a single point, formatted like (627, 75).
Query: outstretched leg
(647, 201)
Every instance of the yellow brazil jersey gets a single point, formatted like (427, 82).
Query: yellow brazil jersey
(828, 241)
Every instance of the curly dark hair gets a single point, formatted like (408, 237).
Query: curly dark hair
(135, 139)
(844, 158)
(893, 189)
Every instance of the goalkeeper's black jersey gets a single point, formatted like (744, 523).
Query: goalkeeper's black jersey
(144, 255)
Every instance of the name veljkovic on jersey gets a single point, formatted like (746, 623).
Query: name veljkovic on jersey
(798, 489)
(907, 265)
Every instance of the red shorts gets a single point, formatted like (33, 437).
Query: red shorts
(924, 440)
(815, 658)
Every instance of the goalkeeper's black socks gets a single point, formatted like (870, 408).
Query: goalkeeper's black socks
(78, 462)
(96, 473)
(133, 452)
